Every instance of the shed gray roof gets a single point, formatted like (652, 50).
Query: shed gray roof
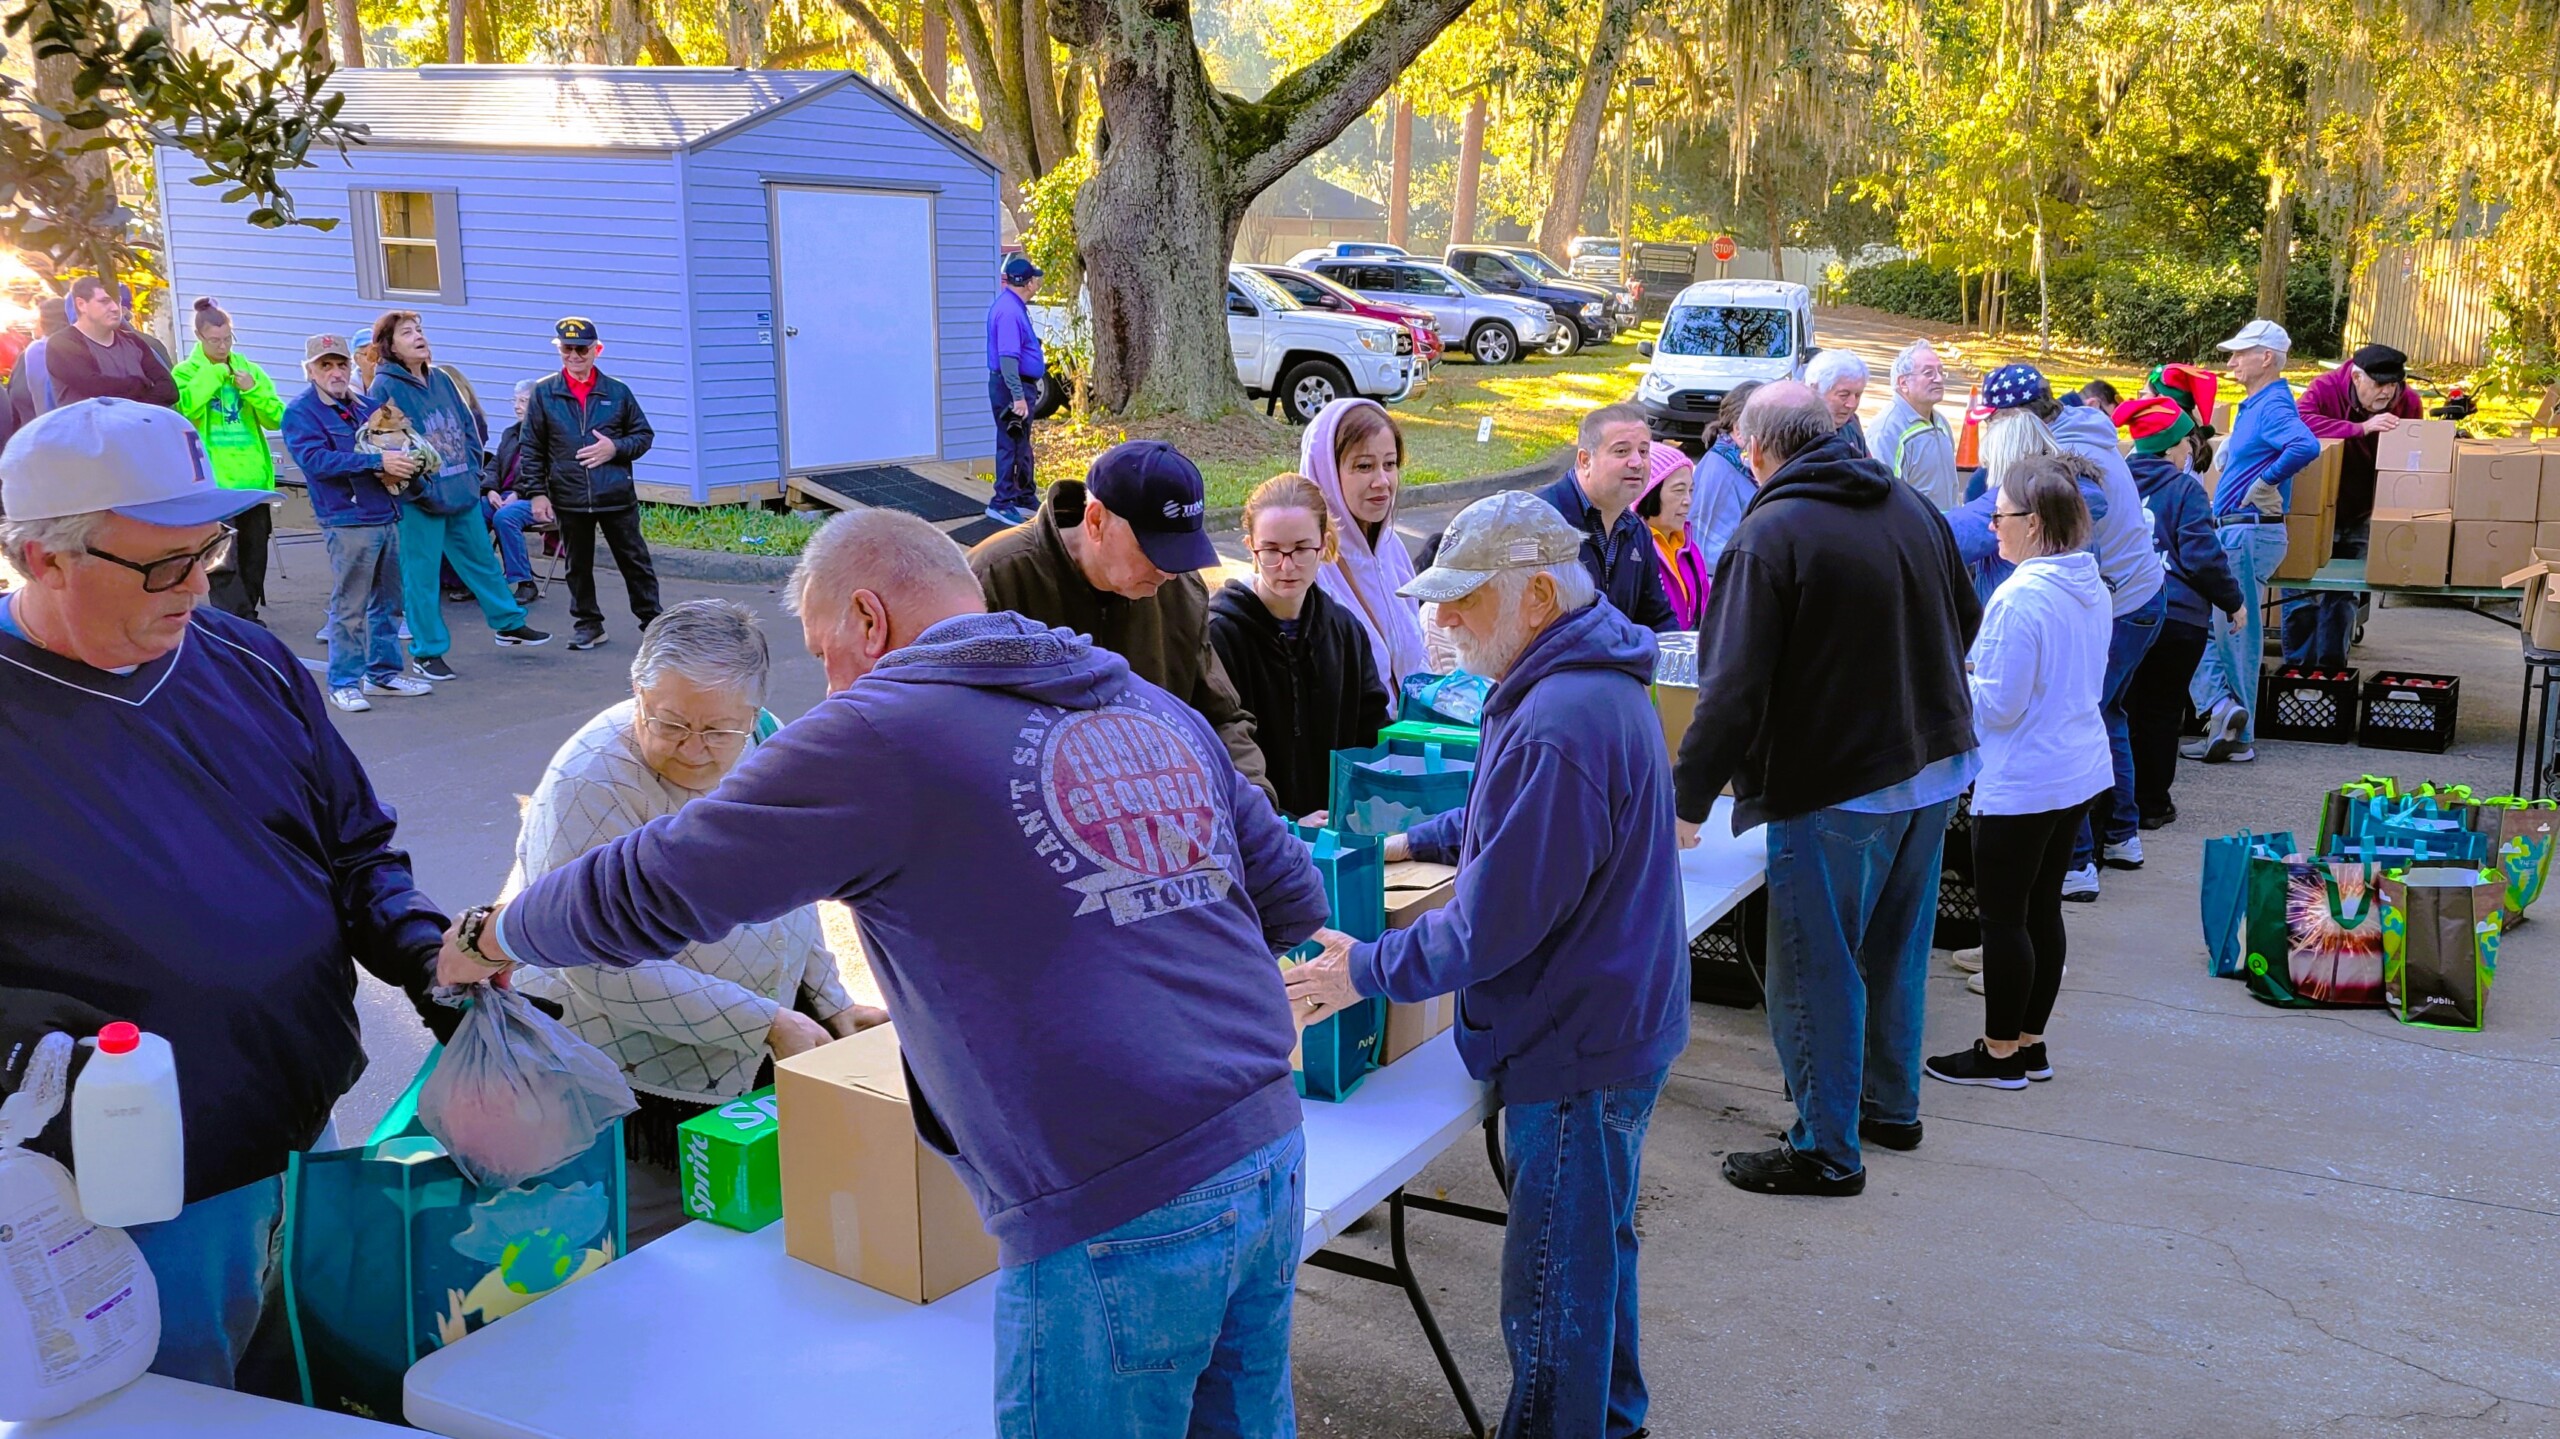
(1302, 194)
(567, 107)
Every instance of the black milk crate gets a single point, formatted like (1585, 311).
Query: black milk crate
(2307, 704)
(1725, 962)
(2410, 711)
(1959, 918)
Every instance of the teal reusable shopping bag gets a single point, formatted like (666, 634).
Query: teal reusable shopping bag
(1337, 1052)
(1389, 788)
(2225, 894)
(390, 1254)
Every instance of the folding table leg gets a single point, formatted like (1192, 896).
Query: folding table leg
(1400, 1274)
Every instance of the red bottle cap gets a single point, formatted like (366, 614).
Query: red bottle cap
(119, 1038)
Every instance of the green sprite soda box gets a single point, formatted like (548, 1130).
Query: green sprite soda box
(729, 1160)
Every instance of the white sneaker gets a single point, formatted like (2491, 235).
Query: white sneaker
(1968, 960)
(2224, 733)
(2081, 884)
(2127, 855)
(351, 700)
(1973, 982)
(399, 685)
(404, 632)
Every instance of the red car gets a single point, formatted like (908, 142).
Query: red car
(1317, 292)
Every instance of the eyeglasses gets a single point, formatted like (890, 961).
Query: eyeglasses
(1296, 555)
(676, 736)
(161, 576)
(575, 349)
(1998, 515)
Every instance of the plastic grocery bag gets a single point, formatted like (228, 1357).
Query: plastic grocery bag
(79, 1312)
(389, 1254)
(517, 1094)
(1457, 698)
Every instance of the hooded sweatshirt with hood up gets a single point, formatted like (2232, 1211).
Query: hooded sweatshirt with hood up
(2121, 533)
(1563, 940)
(1070, 896)
(1831, 664)
(2039, 666)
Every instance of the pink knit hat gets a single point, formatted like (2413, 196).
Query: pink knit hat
(1666, 460)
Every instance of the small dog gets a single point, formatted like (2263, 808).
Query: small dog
(387, 431)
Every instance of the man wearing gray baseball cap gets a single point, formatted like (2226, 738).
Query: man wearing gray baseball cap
(189, 845)
(1563, 943)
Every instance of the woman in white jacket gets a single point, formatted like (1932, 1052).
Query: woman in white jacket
(2037, 671)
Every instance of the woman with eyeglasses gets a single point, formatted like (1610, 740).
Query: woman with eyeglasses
(2036, 671)
(704, 1027)
(1300, 660)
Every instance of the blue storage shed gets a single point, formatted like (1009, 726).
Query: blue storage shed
(789, 267)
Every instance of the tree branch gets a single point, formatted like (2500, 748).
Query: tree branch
(1312, 105)
(910, 76)
(1005, 130)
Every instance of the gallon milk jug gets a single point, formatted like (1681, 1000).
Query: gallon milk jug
(128, 1149)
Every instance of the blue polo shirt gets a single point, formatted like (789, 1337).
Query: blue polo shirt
(2268, 442)
(1010, 335)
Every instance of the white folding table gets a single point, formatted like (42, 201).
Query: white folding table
(155, 1408)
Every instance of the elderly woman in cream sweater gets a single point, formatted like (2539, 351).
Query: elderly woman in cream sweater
(702, 1028)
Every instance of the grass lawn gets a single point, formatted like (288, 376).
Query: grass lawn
(733, 529)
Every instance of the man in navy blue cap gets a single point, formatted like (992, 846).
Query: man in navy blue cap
(155, 749)
(1015, 367)
(1114, 557)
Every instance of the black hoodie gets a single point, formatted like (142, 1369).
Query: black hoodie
(1831, 663)
(1310, 694)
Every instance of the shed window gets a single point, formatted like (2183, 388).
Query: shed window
(408, 245)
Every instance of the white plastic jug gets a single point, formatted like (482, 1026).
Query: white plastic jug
(128, 1145)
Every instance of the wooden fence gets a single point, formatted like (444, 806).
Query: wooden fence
(2429, 300)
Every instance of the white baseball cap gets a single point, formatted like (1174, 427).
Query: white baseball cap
(2259, 335)
(141, 461)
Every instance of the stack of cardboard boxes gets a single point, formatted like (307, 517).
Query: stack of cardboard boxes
(2464, 513)
(2311, 515)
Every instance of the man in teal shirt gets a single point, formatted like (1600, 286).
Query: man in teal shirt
(2269, 445)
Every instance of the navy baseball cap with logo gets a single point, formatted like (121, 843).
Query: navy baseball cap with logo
(575, 330)
(1157, 489)
(1018, 269)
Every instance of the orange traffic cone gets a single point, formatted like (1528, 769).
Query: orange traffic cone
(1969, 441)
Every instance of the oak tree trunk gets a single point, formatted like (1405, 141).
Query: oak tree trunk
(1156, 224)
(457, 30)
(1563, 219)
(935, 51)
(2275, 246)
(350, 34)
(1462, 217)
(1777, 227)
(1400, 181)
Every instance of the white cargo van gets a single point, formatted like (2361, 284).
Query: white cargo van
(1717, 334)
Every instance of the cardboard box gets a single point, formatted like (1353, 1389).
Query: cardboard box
(2496, 483)
(862, 1194)
(2485, 552)
(2540, 615)
(2315, 485)
(2546, 535)
(2409, 548)
(2423, 490)
(2306, 547)
(2550, 451)
(729, 1162)
(1417, 887)
(1410, 1026)
(2222, 416)
(2415, 445)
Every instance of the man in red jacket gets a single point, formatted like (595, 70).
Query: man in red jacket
(2354, 402)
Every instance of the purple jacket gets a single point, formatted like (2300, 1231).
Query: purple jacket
(1070, 897)
(2328, 408)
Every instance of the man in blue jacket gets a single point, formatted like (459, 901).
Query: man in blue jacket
(351, 495)
(582, 430)
(1015, 366)
(1611, 467)
(1072, 901)
(1563, 944)
(2269, 445)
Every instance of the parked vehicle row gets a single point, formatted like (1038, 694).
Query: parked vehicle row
(1583, 313)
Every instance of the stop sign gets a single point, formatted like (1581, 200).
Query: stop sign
(1723, 248)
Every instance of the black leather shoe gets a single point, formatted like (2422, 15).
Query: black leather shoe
(1783, 1171)
(1890, 1136)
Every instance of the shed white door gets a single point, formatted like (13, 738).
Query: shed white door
(861, 352)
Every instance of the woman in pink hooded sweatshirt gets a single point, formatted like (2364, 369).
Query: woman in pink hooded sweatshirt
(1355, 454)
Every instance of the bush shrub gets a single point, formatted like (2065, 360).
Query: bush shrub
(2151, 311)
(1906, 287)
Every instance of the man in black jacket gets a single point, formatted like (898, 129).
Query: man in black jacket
(582, 430)
(1611, 467)
(1831, 694)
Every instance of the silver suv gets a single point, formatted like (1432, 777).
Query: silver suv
(1492, 328)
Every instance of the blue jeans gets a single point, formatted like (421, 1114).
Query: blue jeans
(1014, 484)
(1853, 899)
(2229, 669)
(1569, 1308)
(1174, 1324)
(364, 603)
(2115, 811)
(463, 542)
(507, 522)
(2320, 625)
(216, 1265)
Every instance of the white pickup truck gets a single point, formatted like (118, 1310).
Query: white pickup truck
(1302, 358)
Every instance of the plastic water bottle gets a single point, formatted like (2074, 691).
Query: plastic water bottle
(128, 1144)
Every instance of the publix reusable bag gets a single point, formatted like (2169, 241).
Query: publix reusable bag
(1337, 1052)
(2315, 932)
(2521, 834)
(390, 1254)
(1390, 788)
(2440, 931)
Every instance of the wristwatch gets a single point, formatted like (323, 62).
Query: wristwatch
(475, 922)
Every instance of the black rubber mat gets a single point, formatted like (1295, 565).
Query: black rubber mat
(976, 530)
(895, 487)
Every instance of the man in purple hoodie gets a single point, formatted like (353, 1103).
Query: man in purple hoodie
(1563, 944)
(1072, 901)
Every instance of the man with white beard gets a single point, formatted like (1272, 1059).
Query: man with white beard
(1563, 943)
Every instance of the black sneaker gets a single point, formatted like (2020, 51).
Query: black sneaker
(1978, 1066)
(524, 635)
(526, 593)
(1783, 1171)
(2162, 820)
(1890, 1136)
(2039, 1068)
(586, 639)
(434, 668)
